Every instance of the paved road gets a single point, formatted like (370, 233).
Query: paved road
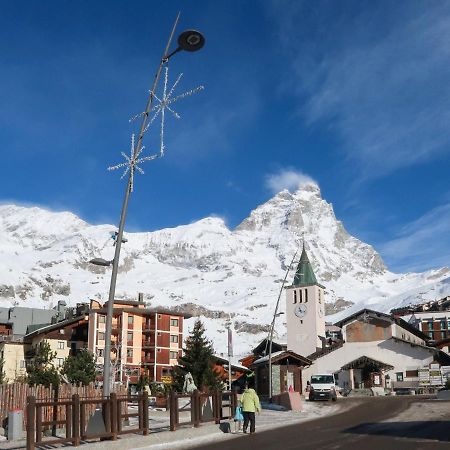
(354, 429)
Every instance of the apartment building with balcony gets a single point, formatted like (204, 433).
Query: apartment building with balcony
(144, 341)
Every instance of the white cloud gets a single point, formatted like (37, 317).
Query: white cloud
(377, 75)
(289, 179)
(421, 244)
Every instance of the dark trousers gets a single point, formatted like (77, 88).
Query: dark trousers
(249, 417)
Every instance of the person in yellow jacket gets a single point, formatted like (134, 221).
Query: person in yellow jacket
(250, 405)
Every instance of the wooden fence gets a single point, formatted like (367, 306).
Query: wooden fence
(217, 402)
(75, 419)
(14, 397)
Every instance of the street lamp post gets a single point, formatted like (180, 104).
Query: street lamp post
(272, 326)
(189, 40)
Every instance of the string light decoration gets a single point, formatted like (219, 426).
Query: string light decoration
(132, 162)
(164, 103)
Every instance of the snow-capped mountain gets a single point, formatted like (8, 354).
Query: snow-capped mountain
(205, 268)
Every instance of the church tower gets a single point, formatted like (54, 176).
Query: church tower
(305, 310)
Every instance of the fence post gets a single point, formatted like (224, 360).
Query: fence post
(39, 424)
(55, 408)
(113, 411)
(107, 414)
(31, 422)
(83, 421)
(196, 404)
(145, 413)
(233, 395)
(69, 421)
(172, 412)
(218, 406)
(76, 420)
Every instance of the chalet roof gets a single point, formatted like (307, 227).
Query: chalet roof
(263, 347)
(282, 355)
(54, 326)
(224, 361)
(370, 313)
(362, 361)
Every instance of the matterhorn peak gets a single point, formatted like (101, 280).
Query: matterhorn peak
(308, 189)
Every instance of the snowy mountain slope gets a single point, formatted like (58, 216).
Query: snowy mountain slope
(204, 267)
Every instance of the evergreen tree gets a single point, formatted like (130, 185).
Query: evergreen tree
(40, 369)
(198, 359)
(80, 368)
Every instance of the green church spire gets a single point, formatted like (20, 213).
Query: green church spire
(304, 275)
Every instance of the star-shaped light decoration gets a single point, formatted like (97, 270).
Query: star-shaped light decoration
(164, 103)
(132, 161)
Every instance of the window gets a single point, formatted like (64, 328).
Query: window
(173, 338)
(101, 319)
(129, 353)
(130, 320)
(320, 298)
(100, 352)
(61, 345)
(101, 336)
(295, 296)
(60, 362)
(399, 376)
(306, 295)
(173, 355)
(412, 374)
(129, 336)
(301, 295)
(442, 324)
(173, 322)
(22, 364)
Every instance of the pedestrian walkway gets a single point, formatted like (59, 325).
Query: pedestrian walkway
(187, 436)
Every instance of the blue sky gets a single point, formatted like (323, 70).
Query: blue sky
(353, 94)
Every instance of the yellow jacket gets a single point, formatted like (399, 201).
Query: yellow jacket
(250, 401)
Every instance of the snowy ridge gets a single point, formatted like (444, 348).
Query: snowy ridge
(204, 267)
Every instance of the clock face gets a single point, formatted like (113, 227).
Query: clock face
(300, 311)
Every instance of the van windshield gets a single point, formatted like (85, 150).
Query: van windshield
(322, 379)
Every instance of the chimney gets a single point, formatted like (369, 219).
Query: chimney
(141, 297)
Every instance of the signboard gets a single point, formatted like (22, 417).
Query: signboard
(166, 379)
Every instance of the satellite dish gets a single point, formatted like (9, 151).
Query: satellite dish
(191, 40)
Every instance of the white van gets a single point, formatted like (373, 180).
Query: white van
(322, 387)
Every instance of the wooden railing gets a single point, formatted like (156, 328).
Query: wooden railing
(76, 416)
(197, 402)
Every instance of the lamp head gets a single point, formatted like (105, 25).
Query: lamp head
(191, 40)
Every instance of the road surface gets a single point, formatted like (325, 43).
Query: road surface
(360, 427)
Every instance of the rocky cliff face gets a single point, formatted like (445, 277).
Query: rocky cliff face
(218, 273)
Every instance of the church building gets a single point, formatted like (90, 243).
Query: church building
(376, 349)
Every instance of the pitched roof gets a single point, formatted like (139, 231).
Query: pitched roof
(304, 276)
(370, 313)
(283, 354)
